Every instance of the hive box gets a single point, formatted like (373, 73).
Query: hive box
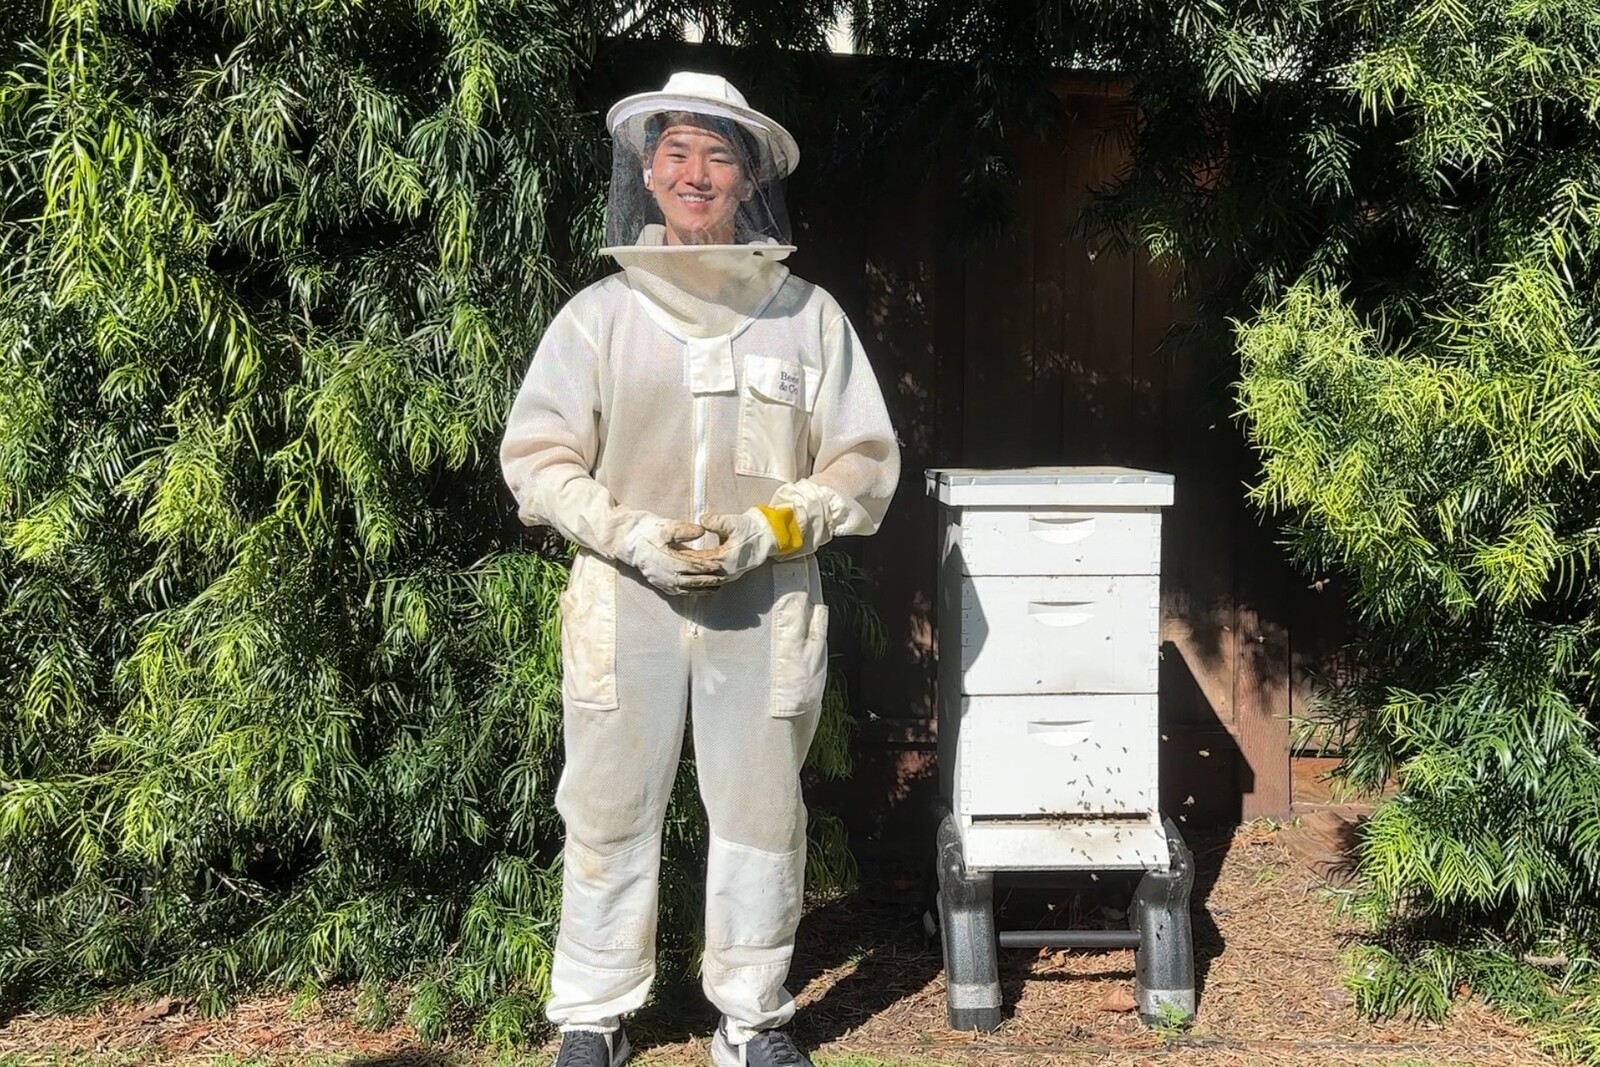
(1049, 617)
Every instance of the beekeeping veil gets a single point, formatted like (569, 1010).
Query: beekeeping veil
(696, 216)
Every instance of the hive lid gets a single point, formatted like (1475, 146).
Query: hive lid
(1049, 487)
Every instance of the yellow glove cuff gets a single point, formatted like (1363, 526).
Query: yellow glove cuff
(785, 527)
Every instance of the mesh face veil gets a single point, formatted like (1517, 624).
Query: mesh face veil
(689, 178)
(696, 215)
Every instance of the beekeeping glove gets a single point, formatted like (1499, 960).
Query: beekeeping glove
(751, 538)
(650, 546)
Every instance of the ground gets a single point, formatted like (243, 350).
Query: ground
(1269, 941)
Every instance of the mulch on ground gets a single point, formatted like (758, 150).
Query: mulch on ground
(870, 983)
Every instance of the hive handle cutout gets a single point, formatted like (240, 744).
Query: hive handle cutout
(1059, 734)
(1060, 613)
(1061, 529)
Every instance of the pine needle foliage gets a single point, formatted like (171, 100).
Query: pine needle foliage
(279, 673)
(1390, 211)
(1433, 429)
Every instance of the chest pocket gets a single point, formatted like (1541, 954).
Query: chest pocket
(774, 417)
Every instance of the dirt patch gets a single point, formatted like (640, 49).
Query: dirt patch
(870, 983)
(262, 1026)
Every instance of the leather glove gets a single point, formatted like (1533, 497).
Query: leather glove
(750, 539)
(649, 547)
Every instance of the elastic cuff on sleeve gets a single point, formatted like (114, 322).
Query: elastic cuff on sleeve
(785, 528)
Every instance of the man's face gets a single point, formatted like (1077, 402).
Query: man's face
(698, 183)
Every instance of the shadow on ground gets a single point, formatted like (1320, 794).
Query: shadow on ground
(1081, 902)
(855, 959)
(861, 957)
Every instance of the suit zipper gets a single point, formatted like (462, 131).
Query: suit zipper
(702, 459)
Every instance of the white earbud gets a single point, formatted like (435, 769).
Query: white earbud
(648, 181)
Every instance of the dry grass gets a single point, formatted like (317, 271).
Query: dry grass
(871, 991)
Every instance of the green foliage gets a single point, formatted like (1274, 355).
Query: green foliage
(1391, 210)
(279, 687)
(1421, 377)
(281, 706)
(1565, 1015)
(1433, 428)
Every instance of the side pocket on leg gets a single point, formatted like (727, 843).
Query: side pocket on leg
(799, 642)
(589, 634)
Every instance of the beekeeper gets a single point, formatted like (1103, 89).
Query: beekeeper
(699, 424)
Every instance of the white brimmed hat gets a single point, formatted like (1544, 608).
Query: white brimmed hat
(706, 94)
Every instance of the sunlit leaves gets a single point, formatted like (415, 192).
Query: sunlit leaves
(1435, 432)
(282, 691)
(279, 675)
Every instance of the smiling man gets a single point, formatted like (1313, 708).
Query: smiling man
(700, 173)
(699, 424)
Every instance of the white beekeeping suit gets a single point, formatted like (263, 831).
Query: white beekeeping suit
(699, 424)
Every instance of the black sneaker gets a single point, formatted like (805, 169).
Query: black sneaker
(769, 1048)
(585, 1048)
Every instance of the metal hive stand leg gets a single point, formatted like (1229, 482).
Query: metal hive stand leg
(966, 927)
(1164, 961)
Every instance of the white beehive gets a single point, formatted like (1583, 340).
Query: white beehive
(1049, 614)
